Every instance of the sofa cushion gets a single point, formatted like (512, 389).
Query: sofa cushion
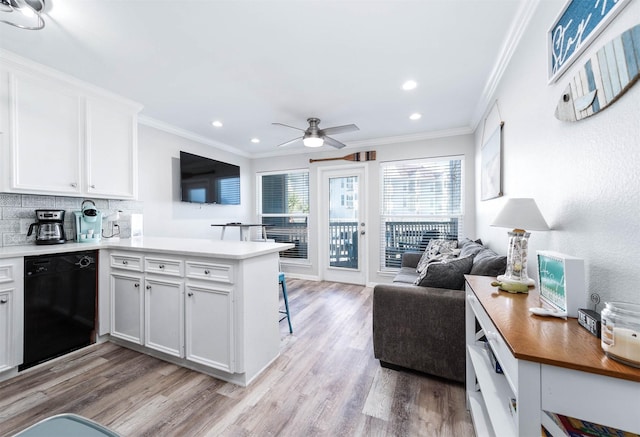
(471, 249)
(434, 248)
(446, 274)
(489, 263)
(407, 275)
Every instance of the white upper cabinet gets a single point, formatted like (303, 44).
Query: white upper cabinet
(112, 153)
(62, 136)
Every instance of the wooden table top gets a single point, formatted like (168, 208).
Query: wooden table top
(546, 340)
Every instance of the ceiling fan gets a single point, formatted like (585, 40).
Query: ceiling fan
(316, 137)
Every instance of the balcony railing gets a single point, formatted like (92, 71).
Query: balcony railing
(414, 236)
(400, 237)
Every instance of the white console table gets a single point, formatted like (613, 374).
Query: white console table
(549, 364)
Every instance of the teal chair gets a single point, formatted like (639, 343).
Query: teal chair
(287, 315)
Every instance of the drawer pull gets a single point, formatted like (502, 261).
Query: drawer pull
(3, 300)
(136, 285)
(161, 266)
(148, 287)
(206, 272)
(190, 294)
(125, 262)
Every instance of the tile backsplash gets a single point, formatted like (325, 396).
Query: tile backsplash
(17, 212)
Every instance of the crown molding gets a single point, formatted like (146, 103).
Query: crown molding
(517, 30)
(166, 127)
(22, 64)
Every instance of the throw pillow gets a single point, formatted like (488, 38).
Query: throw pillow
(489, 265)
(471, 248)
(446, 274)
(434, 248)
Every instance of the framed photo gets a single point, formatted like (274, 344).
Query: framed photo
(491, 165)
(578, 24)
(561, 280)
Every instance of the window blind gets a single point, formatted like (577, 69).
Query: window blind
(284, 208)
(420, 200)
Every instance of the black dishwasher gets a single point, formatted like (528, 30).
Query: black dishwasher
(59, 304)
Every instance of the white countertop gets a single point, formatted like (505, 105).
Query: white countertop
(180, 246)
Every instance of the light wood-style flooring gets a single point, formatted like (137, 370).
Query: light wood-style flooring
(326, 382)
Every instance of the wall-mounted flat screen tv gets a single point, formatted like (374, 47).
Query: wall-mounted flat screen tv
(205, 180)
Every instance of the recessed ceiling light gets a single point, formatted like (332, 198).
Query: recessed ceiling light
(255, 140)
(216, 123)
(409, 85)
(415, 116)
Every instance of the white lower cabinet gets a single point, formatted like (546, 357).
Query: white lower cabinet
(127, 307)
(164, 316)
(11, 312)
(6, 328)
(187, 313)
(209, 322)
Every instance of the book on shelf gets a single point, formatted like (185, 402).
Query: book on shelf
(581, 428)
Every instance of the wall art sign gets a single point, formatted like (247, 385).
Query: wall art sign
(491, 165)
(579, 22)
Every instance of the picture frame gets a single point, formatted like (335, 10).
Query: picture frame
(561, 281)
(575, 28)
(491, 165)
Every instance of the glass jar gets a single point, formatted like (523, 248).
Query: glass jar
(621, 332)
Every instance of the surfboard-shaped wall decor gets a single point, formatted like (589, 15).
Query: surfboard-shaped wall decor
(603, 79)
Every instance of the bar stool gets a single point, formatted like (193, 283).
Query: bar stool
(287, 316)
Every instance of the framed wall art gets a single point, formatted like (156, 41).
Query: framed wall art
(491, 165)
(577, 25)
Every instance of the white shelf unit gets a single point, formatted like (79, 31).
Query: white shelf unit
(489, 393)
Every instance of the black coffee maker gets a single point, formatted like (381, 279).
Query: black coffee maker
(49, 228)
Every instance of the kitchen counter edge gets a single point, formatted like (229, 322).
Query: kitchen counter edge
(180, 246)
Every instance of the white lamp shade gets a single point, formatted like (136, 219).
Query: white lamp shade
(521, 214)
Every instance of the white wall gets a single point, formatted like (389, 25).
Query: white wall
(583, 175)
(447, 146)
(159, 189)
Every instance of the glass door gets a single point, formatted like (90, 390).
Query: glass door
(344, 226)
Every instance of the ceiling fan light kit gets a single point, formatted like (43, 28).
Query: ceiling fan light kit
(313, 141)
(25, 14)
(316, 137)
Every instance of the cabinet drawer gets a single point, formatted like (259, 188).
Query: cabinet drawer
(209, 271)
(500, 349)
(7, 273)
(126, 262)
(164, 266)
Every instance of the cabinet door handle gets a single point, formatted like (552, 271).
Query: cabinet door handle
(125, 262)
(189, 294)
(136, 285)
(74, 185)
(206, 272)
(3, 300)
(148, 287)
(92, 186)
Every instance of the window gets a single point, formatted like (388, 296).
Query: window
(420, 200)
(283, 205)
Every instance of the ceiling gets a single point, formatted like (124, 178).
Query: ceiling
(252, 63)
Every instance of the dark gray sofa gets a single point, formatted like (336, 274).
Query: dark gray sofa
(423, 328)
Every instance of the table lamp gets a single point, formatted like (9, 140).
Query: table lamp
(519, 214)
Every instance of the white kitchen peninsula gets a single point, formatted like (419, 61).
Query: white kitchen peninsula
(208, 305)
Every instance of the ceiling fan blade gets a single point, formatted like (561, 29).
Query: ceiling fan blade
(334, 143)
(286, 125)
(340, 129)
(290, 142)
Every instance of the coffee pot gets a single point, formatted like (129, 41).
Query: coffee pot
(49, 228)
